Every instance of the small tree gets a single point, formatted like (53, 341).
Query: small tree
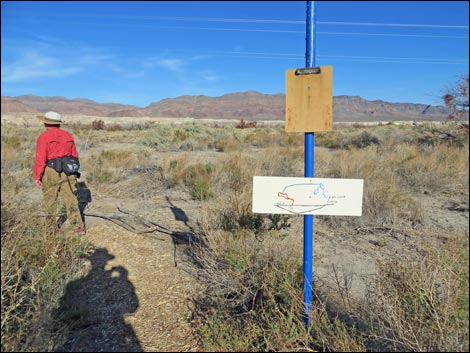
(456, 100)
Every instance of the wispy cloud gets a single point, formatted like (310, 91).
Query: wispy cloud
(35, 65)
(209, 76)
(125, 72)
(45, 57)
(94, 59)
(172, 64)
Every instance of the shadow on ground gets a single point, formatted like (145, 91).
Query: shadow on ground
(94, 308)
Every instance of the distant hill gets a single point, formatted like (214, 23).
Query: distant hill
(248, 105)
(10, 105)
(68, 106)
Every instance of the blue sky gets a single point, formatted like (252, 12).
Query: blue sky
(136, 53)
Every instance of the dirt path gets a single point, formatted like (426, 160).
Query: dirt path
(133, 297)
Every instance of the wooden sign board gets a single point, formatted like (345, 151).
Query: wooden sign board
(307, 196)
(309, 100)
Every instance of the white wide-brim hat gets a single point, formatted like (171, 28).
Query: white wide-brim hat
(51, 118)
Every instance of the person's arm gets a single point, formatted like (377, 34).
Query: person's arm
(74, 150)
(40, 161)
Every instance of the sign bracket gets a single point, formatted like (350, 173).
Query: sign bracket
(308, 71)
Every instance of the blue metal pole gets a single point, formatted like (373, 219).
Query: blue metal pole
(309, 172)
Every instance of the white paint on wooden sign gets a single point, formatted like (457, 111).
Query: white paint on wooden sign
(307, 196)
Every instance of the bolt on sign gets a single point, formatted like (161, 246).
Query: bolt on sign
(309, 99)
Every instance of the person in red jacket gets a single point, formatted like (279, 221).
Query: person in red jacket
(56, 143)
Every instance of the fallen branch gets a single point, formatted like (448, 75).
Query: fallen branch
(114, 220)
(127, 226)
(156, 227)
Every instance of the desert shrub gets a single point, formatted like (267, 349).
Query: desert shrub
(79, 128)
(264, 137)
(12, 141)
(281, 161)
(450, 133)
(17, 153)
(234, 192)
(179, 135)
(159, 137)
(194, 138)
(97, 125)
(115, 127)
(292, 140)
(143, 158)
(253, 298)
(364, 139)
(396, 174)
(431, 168)
(253, 282)
(199, 179)
(330, 139)
(346, 139)
(172, 171)
(99, 176)
(117, 159)
(197, 131)
(164, 137)
(227, 144)
(108, 165)
(36, 264)
(386, 200)
(246, 124)
(423, 305)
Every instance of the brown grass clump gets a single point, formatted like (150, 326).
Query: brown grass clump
(36, 264)
(423, 305)
(254, 297)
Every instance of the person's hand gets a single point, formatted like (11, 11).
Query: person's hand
(38, 184)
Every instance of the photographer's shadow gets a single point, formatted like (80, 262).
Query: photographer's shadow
(94, 308)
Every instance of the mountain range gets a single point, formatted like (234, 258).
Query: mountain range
(249, 105)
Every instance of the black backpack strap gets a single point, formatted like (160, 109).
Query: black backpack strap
(70, 185)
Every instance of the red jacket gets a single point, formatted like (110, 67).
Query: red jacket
(52, 143)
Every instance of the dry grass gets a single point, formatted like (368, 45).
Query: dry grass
(253, 287)
(36, 261)
(423, 305)
(250, 263)
(36, 264)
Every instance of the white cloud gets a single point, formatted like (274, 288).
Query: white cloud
(210, 76)
(172, 64)
(57, 59)
(35, 65)
(126, 72)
